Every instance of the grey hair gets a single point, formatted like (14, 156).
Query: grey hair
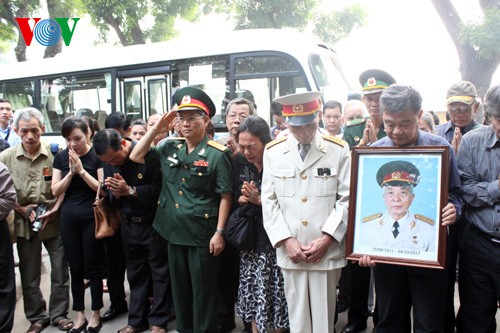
(429, 120)
(400, 98)
(358, 103)
(239, 101)
(492, 101)
(27, 114)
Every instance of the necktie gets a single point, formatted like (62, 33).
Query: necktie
(395, 230)
(303, 149)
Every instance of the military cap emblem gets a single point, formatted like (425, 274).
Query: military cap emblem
(186, 99)
(298, 108)
(371, 81)
(398, 173)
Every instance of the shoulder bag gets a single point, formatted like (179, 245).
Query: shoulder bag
(240, 228)
(107, 216)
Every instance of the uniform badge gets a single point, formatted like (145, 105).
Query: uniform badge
(415, 240)
(47, 175)
(325, 172)
(139, 175)
(298, 108)
(371, 82)
(412, 224)
(201, 163)
(173, 160)
(202, 151)
(356, 138)
(186, 100)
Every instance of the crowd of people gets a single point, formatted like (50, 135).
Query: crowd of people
(176, 189)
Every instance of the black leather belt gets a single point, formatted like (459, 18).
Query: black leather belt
(486, 235)
(137, 219)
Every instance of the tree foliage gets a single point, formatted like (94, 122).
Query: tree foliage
(476, 44)
(334, 26)
(250, 14)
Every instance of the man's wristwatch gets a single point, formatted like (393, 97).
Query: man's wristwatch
(220, 231)
(131, 190)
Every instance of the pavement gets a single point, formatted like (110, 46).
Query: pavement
(21, 324)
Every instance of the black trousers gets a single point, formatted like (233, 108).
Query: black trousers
(227, 287)
(7, 280)
(400, 288)
(479, 282)
(146, 254)
(116, 270)
(84, 254)
(451, 260)
(360, 288)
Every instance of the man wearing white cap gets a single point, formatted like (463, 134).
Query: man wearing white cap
(305, 194)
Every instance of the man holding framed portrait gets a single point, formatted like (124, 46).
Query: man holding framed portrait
(402, 287)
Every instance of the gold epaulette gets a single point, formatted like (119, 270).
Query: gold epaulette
(216, 145)
(275, 142)
(372, 217)
(424, 218)
(355, 122)
(334, 139)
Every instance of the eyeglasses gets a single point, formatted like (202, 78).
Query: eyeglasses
(233, 116)
(457, 109)
(189, 120)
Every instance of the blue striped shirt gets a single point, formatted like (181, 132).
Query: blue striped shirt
(479, 166)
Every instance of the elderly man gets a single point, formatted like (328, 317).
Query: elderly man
(238, 111)
(305, 194)
(364, 132)
(354, 109)
(135, 188)
(193, 207)
(478, 163)
(401, 289)
(7, 277)
(399, 227)
(31, 166)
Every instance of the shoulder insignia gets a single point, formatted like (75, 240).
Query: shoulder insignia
(356, 122)
(216, 145)
(424, 218)
(334, 139)
(275, 142)
(372, 217)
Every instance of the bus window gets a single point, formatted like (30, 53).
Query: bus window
(73, 95)
(20, 94)
(252, 65)
(328, 78)
(157, 96)
(133, 99)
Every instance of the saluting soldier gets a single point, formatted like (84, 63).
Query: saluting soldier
(363, 132)
(305, 195)
(398, 227)
(193, 207)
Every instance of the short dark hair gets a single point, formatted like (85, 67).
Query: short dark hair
(332, 104)
(71, 123)
(277, 109)
(4, 100)
(117, 120)
(93, 125)
(106, 139)
(258, 127)
(139, 122)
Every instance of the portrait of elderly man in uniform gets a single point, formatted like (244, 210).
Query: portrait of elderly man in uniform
(399, 227)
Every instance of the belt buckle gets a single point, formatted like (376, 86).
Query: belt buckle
(136, 219)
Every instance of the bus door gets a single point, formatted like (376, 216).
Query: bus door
(142, 96)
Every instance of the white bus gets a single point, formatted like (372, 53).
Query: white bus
(140, 80)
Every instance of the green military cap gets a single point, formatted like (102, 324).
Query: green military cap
(192, 98)
(398, 173)
(375, 80)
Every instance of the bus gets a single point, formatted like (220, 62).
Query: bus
(140, 80)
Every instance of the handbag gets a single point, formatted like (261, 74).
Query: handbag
(107, 216)
(240, 228)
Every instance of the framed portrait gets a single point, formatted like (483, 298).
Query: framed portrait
(397, 195)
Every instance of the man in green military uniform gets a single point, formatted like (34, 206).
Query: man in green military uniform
(363, 132)
(193, 207)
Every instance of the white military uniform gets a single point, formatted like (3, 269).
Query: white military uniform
(303, 199)
(416, 232)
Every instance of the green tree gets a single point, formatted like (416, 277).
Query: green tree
(476, 44)
(334, 26)
(252, 14)
(128, 17)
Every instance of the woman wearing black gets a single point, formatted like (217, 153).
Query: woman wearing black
(261, 296)
(76, 173)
